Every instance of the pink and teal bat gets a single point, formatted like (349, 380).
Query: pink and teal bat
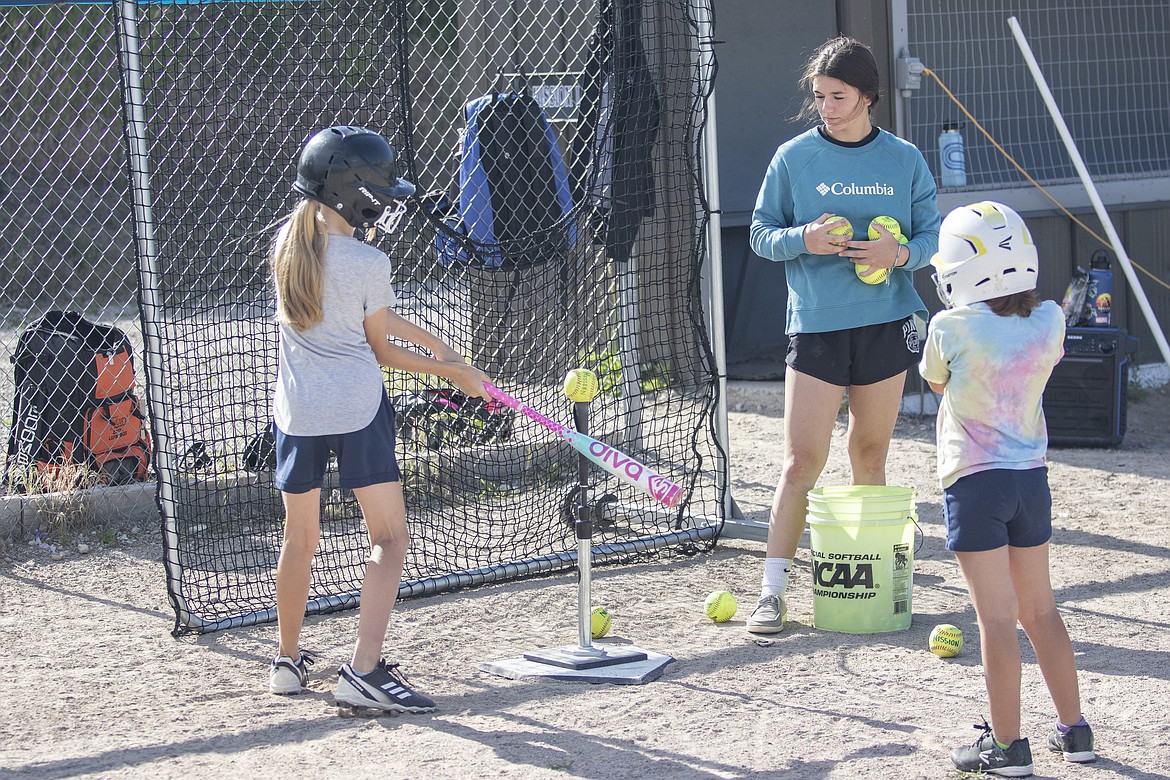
(609, 458)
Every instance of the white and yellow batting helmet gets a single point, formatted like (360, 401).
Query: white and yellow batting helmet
(984, 251)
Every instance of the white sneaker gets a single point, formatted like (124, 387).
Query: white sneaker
(384, 688)
(769, 615)
(288, 676)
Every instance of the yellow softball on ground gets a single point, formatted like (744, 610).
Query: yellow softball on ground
(581, 385)
(599, 622)
(946, 640)
(720, 606)
(841, 228)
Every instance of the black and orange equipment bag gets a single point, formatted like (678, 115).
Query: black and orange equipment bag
(75, 405)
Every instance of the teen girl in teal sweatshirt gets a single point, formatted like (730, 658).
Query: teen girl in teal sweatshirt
(845, 335)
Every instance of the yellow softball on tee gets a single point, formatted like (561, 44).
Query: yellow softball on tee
(581, 385)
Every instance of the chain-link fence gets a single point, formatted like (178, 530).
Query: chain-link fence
(67, 236)
(1090, 51)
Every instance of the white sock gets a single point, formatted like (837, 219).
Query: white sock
(775, 576)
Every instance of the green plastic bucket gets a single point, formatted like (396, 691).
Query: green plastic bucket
(862, 501)
(862, 541)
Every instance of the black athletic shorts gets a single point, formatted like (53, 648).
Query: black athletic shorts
(364, 457)
(989, 509)
(856, 356)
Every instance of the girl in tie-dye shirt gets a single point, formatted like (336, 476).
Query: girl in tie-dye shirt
(994, 368)
(990, 355)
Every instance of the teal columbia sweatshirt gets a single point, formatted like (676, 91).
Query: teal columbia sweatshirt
(811, 175)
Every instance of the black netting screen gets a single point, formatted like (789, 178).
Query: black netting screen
(560, 223)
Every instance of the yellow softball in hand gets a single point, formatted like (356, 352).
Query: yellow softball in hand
(890, 224)
(880, 275)
(874, 277)
(581, 385)
(841, 229)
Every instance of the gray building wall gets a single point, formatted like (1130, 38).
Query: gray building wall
(766, 45)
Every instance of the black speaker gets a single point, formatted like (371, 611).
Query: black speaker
(1084, 402)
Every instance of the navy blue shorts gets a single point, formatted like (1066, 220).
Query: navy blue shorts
(364, 457)
(856, 356)
(989, 509)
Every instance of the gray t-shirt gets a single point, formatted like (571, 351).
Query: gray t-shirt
(329, 381)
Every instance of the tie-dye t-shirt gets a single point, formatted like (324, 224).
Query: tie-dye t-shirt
(995, 369)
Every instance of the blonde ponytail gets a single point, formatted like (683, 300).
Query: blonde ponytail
(298, 268)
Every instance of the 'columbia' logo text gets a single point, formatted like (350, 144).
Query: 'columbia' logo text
(852, 188)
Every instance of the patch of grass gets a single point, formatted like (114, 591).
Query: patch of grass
(489, 489)
(652, 377)
(655, 377)
(608, 367)
(1135, 393)
(66, 511)
(414, 481)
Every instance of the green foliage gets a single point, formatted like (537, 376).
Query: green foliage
(66, 512)
(653, 377)
(1135, 393)
(413, 480)
(608, 367)
(434, 28)
(405, 382)
(489, 490)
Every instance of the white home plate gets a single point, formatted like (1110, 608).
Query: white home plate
(625, 665)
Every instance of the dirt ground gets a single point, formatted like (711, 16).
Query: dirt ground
(94, 685)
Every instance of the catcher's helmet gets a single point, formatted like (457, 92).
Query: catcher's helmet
(353, 171)
(984, 251)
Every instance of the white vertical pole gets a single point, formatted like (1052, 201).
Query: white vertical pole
(584, 515)
(1106, 221)
(709, 159)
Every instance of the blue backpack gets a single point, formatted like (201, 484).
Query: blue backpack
(514, 205)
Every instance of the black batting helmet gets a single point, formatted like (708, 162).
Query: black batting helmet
(353, 171)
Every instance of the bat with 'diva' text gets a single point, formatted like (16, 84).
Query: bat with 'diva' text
(609, 458)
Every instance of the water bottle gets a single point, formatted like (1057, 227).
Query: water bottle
(952, 158)
(1102, 303)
